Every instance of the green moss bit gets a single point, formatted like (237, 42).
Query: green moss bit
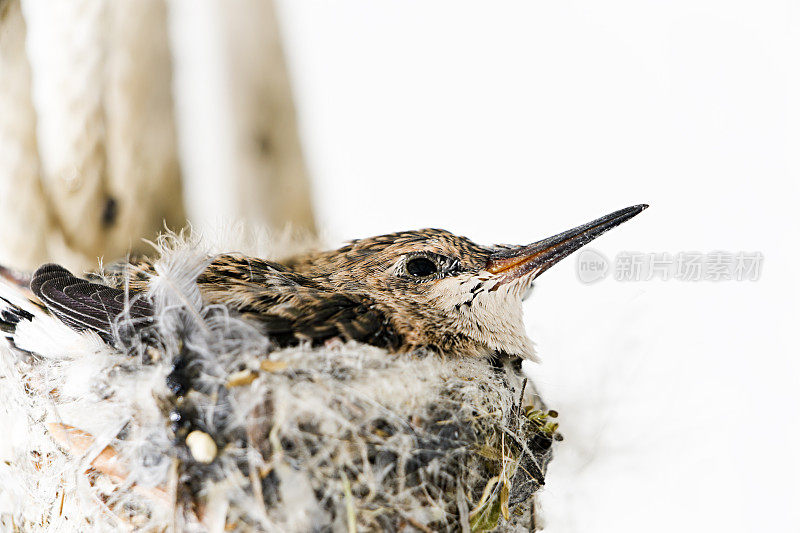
(542, 421)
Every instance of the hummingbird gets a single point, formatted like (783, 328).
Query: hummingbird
(412, 290)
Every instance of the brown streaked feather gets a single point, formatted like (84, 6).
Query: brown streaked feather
(291, 307)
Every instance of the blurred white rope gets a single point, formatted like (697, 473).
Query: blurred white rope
(23, 222)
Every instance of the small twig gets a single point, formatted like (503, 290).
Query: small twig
(348, 500)
(522, 394)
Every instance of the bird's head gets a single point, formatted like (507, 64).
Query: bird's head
(446, 292)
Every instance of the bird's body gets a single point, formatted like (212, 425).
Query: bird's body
(426, 289)
(170, 350)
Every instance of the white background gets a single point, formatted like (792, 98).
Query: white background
(511, 121)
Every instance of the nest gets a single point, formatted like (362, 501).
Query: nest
(196, 424)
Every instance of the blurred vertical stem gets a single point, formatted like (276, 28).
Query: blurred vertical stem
(240, 148)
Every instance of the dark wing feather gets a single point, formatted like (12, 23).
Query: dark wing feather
(84, 305)
(290, 307)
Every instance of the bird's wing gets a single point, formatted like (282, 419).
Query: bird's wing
(84, 305)
(291, 307)
(287, 306)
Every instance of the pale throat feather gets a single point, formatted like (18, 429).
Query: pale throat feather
(490, 317)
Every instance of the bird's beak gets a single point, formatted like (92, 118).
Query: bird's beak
(511, 264)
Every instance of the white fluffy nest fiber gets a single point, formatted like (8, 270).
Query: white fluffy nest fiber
(201, 427)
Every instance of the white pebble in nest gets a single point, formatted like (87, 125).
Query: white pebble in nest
(202, 446)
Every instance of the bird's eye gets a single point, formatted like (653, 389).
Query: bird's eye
(421, 267)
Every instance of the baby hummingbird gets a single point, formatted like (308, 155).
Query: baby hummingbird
(425, 289)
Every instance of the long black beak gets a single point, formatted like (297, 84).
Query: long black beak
(513, 263)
